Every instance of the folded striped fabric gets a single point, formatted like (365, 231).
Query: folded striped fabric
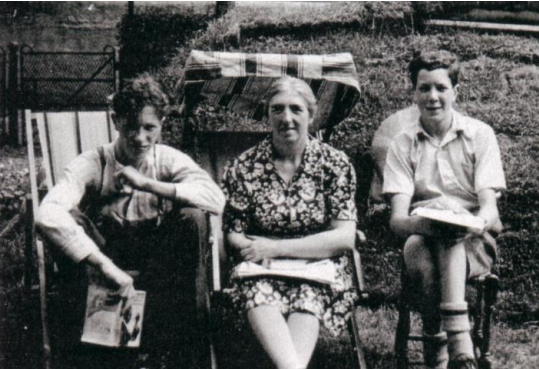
(241, 81)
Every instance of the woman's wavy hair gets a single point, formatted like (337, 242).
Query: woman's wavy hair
(299, 86)
(139, 92)
(431, 60)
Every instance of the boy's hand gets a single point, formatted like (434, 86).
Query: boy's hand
(120, 280)
(128, 178)
(476, 231)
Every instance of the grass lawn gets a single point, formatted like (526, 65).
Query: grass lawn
(516, 348)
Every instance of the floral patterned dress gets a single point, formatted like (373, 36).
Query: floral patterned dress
(260, 203)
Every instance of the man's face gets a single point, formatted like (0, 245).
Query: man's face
(435, 95)
(138, 134)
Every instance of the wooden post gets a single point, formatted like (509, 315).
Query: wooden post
(117, 77)
(39, 246)
(3, 98)
(130, 8)
(222, 7)
(13, 93)
(29, 237)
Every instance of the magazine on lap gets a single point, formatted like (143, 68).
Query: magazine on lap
(450, 217)
(320, 271)
(104, 322)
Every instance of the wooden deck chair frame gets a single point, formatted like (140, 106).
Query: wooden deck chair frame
(62, 136)
(205, 152)
(204, 148)
(481, 317)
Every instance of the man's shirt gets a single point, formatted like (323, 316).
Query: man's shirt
(465, 162)
(86, 174)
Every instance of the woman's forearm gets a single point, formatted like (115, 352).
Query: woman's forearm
(333, 242)
(318, 246)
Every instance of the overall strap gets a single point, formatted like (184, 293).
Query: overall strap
(91, 200)
(103, 162)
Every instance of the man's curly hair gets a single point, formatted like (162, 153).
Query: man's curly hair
(431, 60)
(139, 92)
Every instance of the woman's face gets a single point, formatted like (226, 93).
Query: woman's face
(289, 117)
(435, 95)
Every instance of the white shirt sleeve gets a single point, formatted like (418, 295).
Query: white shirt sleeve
(194, 186)
(54, 219)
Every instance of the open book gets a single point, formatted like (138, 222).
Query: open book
(450, 217)
(106, 325)
(321, 271)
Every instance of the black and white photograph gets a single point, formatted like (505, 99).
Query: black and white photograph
(269, 184)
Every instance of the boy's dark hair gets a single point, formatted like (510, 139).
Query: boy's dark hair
(137, 93)
(431, 60)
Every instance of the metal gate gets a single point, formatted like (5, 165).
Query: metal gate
(52, 80)
(62, 80)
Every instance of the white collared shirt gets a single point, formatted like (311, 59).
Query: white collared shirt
(465, 162)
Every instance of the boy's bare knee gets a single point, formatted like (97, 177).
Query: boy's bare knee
(418, 259)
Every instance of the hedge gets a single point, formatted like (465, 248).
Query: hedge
(147, 39)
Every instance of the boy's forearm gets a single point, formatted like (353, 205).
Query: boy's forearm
(488, 207)
(160, 189)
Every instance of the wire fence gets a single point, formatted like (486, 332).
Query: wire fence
(67, 80)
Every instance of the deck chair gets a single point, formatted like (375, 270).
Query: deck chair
(62, 136)
(486, 286)
(239, 82)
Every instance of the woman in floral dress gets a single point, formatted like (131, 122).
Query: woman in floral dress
(291, 196)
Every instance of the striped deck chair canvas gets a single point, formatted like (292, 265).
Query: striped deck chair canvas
(65, 135)
(62, 136)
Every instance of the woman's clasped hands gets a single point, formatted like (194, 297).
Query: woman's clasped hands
(256, 248)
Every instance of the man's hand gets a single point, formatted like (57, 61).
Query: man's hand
(114, 277)
(120, 280)
(258, 249)
(128, 178)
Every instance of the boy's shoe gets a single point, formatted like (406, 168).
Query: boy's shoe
(462, 361)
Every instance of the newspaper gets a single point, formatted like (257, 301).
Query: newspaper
(321, 271)
(106, 325)
(465, 220)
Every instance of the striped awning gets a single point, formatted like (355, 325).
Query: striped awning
(241, 81)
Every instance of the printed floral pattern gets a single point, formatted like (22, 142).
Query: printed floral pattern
(259, 202)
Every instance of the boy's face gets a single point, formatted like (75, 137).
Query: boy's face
(138, 134)
(435, 95)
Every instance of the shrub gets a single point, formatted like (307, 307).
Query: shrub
(147, 39)
(14, 182)
(348, 15)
